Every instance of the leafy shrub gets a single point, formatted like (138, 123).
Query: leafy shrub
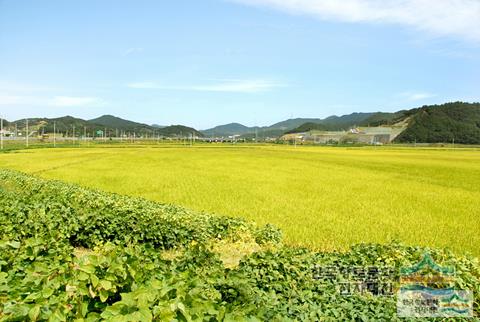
(267, 234)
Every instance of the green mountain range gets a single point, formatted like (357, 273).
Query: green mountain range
(280, 128)
(451, 122)
(111, 125)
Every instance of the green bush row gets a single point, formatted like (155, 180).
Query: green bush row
(33, 207)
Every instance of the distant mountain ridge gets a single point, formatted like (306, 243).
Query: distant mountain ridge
(450, 122)
(277, 129)
(113, 126)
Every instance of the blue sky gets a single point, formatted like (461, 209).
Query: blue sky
(209, 62)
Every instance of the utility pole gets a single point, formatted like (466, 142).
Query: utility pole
(73, 135)
(54, 134)
(453, 142)
(26, 136)
(85, 134)
(16, 132)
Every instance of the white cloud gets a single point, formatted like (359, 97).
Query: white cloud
(132, 50)
(70, 101)
(458, 18)
(416, 96)
(226, 85)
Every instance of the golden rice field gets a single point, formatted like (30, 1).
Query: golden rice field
(321, 197)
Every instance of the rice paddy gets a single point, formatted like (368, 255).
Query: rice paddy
(324, 198)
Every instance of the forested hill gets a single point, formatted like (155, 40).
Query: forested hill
(458, 122)
(114, 122)
(179, 130)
